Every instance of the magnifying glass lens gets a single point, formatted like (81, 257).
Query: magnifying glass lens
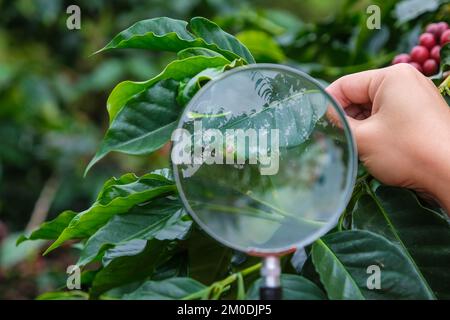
(263, 159)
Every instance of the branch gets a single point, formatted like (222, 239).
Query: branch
(43, 203)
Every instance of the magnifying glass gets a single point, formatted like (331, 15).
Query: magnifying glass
(264, 161)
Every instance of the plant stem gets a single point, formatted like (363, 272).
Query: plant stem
(222, 284)
(444, 86)
(44, 202)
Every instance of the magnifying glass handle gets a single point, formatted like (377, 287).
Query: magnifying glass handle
(270, 293)
(271, 286)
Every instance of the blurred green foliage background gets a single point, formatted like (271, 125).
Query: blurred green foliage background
(53, 93)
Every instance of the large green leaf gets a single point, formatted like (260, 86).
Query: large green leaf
(342, 260)
(160, 33)
(161, 219)
(173, 288)
(115, 198)
(176, 266)
(131, 267)
(208, 259)
(172, 35)
(294, 288)
(53, 229)
(50, 230)
(144, 124)
(176, 70)
(421, 234)
(125, 249)
(146, 121)
(197, 51)
(218, 40)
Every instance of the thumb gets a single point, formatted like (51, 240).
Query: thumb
(358, 89)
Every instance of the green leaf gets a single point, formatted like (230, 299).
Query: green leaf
(219, 40)
(190, 88)
(177, 266)
(118, 196)
(147, 120)
(177, 70)
(172, 35)
(140, 107)
(294, 288)
(144, 124)
(51, 229)
(197, 51)
(64, 295)
(421, 234)
(166, 173)
(304, 109)
(161, 219)
(262, 46)
(209, 267)
(342, 260)
(407, 10)
(130, 268)
(161, 33)
(125, 249)
(169, 289)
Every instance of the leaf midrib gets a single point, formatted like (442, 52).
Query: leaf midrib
(146, 135)
(320, 241)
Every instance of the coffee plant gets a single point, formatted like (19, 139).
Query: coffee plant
(137, 242)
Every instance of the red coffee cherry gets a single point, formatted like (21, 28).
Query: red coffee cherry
(419, 54)
(401, 58)
(432, 28)
(441, 28)
(435, 53)
(416, 65)
(430, 67)
(427, 40)
(445, 37)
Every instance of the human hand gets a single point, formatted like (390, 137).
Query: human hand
(402, 128)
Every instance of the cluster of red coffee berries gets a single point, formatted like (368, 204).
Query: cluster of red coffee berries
(425, 57)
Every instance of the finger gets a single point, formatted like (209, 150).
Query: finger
(359, 112)
(353, 111)
(361, 130)
(357, 127)
(356, 89)
(350, 91)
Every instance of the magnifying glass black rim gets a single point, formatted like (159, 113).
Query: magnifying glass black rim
(351, 172)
